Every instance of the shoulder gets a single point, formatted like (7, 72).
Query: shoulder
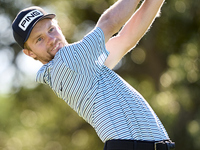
(42, 75)
(97, 32)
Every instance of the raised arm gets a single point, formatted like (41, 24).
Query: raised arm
(116, 16)
(132, 32)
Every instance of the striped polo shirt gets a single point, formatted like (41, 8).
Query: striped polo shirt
(115, 110)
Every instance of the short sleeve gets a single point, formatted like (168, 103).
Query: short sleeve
(88, 55)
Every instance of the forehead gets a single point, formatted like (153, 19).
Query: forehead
(40, 27)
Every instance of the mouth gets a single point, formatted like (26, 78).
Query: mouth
(56, 47)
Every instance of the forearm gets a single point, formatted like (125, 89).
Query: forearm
(132, 31)
(116, 16)
(139, 23)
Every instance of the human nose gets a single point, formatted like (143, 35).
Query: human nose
(51, 39)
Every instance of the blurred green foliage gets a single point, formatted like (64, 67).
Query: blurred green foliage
(164, 68)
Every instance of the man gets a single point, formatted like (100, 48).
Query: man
(80, 73)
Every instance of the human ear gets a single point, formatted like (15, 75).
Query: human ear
(29, 53)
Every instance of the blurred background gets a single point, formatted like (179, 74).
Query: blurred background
(164, 68)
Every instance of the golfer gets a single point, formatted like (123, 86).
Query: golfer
(81, 73)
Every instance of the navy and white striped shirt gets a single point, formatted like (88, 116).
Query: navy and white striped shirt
(115, 110)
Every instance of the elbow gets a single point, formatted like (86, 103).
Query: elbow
(108, 24)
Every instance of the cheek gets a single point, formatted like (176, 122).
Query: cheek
(39, 49)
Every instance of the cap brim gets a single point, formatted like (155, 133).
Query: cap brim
(47, 16)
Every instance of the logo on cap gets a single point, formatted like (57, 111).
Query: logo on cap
(28, 18)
